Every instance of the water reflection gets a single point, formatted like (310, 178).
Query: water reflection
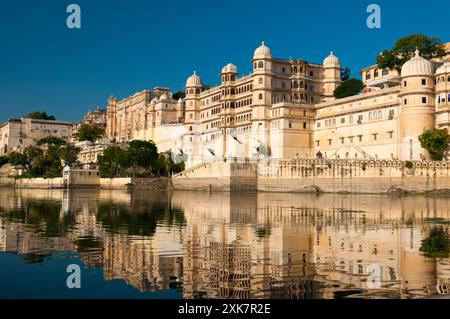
(238, 245)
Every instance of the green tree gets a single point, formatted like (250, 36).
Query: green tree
(437, 244)
(4, 160)
(114, 162)
(345, 74)
(89, 133)
(404, 49)
(142, 154)
(348, 88)
(69, 154)
(28, 159)
(41, 116)
(436, 142)
(178, 95)
(51, 141)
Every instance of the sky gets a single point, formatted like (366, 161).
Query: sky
(127, 46)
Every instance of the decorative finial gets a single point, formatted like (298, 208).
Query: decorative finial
(331, 53)
(417, 52)
(262, 43)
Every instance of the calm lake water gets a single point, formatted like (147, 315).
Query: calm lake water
(200, 245)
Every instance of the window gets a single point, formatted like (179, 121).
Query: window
(260, 80)
(260, 65)
(350, 139)
(311, 73)
(391, 114)
(317, 143)
(283, 70)
(424, 100)
(360, 137)
(375, 136)
(391, 134)
(260, 96)
(424, 82)
(342, 120)
(368, 75)
(290, 124)
(405, 83)
(385, 72)
(405, 101)
(318, 124)
(329, 142)
(283, 85)
(375, 73)
(304, 125)
(342, 140)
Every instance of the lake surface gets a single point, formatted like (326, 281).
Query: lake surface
(200, 245)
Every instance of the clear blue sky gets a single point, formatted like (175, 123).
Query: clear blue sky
(127, 46)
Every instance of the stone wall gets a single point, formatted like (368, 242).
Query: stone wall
(39, 183)
(333, 176)
(131, 183)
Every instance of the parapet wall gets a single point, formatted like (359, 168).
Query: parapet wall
(333, 176)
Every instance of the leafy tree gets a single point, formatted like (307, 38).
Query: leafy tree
(142, 154)
(41, 116)
(90, 133)
(69, 154)
(178, 95)
(436, 142)
(437, 244)
(345, 74)
(348, 88)
(113, 162)
(4, 160)
(404, 49)
(51, 141)
(27, 159)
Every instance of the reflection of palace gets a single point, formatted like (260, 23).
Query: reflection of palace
(240, 245)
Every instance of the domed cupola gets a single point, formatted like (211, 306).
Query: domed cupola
(194, 81)
(229, 68)
(164, 97)
(417, 66)
(331, 61)
(443, 69)
(262, 52)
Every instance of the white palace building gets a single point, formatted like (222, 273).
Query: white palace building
(286, 109)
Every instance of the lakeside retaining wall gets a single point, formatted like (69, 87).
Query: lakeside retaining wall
(333, 176)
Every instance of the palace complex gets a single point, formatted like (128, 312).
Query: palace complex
(286, 109)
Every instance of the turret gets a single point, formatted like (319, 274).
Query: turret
(332, 75)
(417, 105)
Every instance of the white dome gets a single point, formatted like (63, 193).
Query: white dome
(194, 80)
(229, 68)
(164, 97)
(262, 52)
(417, 66)
(331, 61)
(443, 69)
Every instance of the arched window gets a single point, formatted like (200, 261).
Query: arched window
(260, 96)
(295, 84)
(368, 75)
(260, 80)
(255, 65)
(260, 65)
(375, 73)
(295, 69)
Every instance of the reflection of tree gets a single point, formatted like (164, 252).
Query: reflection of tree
(86, 244)
(437, 244)
(122, 219)
(45, 215)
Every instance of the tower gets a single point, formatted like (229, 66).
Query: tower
(228, 75)
(442, 89)
(332, 76)
(191, 142)
(262, 98)
(417, 105)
